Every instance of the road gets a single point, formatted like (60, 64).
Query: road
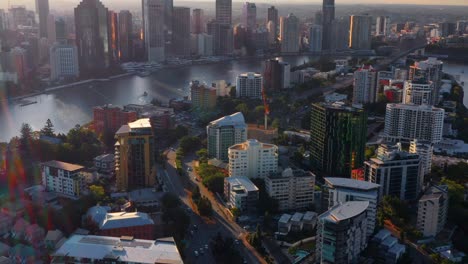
(204, 230)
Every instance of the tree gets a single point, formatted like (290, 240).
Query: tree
(276, 123)
(48, 129)
(235, 212)
(202, 155)
(97, 192)
(244, 108)
(232, 91)
(26, 135)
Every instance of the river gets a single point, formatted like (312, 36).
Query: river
(71, 106)
(74, 105)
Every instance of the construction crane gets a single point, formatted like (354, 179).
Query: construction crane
(266, 106)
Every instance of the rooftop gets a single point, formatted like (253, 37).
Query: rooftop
(140, 123)
(105, 158)
(252, 142)
(351, 183)
(125, 250)
(124, 219)
(62, 165)
(285, 218)
(236, 120)
(345, 211)
(242, 181)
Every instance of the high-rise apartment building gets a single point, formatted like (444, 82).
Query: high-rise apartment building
(338, 138)
(252, 159)
(113, 27)
(418, 93)
(224, 11)
(382, 26)
(241, 193)
(125, 35)
(181, 31)
(428, 71)
(63, 178)
(51, 30)
(134, 155)
(293, 189)
(203, 97)
(108, 119)
(432, 210)
(328, 16)
(408, 122)
(289, 34)
(315, 39)
(225, 132)
(273, 16)
(42, 11)
(276, 75)
(360, 32)
(63, 62)
(365, 85)
(336, 191)
(198, 21)
(92, 36)
(154, 29)
(397, 172)
(249, 85)
(425, 150)
(342, 233)
(249, 16)
(222, 37)
(339, 34)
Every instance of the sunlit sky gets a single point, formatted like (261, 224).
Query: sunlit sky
(61, 3)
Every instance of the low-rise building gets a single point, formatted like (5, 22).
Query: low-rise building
(97, 249)
(432, 210)
(54, 239)
(147, 197)
(297, 222)
(389, 250)
(63, 178)
(284, 224)
(293, 189)
(105, 163)
(241, 193)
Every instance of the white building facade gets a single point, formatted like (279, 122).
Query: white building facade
(63, 178)
(249, 85)
(432, 210)
(365, 85)
(253, 159)
(63, 62)
(225, 132)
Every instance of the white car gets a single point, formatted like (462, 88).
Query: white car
(196, 253)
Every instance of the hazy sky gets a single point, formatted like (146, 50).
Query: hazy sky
(61, 3)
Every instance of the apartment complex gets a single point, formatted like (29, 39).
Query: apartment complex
(418, 93)
(241, 193)
(98, 249)
(249, 85)
(63, 178)
(338, 138)
(425, 150)
(432, 210)
(203, 97)
(253, 159)
(342, 233)
(365, 85)
(134, 155)
(409, 121)
(341, 190)
(293, 189)
(225, 132)
(397, 172)
(108, 118)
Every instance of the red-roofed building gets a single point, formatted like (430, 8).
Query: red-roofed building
(111, 118)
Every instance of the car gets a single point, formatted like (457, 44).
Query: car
(195, 227)
(196, 253)
(237, 242)
(201, 251)
(247, 227)
(189, 169)
(206, 246)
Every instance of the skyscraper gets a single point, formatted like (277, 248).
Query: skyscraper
(181, 31)
(222, 37)
(360, 32)
(382, 27)
(63, 62)
(42, 11)
(224, 11)
(51, 30)
(198, 23)
(408, 122)
(134, 155)
(249, 16)
(273, 16)
(341, 233)
(92, 36)
(154, 29)
(365, 85)
(113, 37)
(60, 30)
(340, 34)
(225, 132)
(315, 38)
(289, 34)
(125, 35)
(338, 138)
(328, 10)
